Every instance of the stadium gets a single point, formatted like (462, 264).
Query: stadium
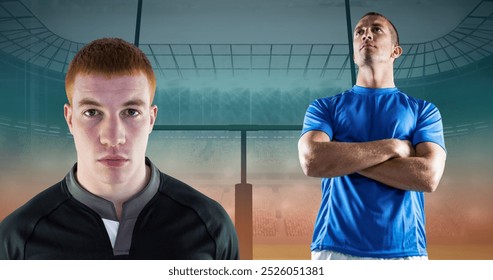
(231, 103)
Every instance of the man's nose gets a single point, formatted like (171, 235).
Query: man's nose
(367, 35)
(112, 132)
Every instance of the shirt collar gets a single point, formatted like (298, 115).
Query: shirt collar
(105, 208)
(373, 91)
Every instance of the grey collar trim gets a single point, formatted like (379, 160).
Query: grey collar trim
(131, 208)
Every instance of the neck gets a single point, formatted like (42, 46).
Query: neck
(375, 77)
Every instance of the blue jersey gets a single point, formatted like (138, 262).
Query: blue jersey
(360, 216)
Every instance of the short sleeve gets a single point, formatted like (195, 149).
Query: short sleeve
(429, 127)
(318, 117)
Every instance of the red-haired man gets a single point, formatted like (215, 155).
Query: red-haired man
(115, 203)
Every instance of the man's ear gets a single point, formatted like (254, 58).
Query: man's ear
(396, 52)
(67, 113)
(153, 116)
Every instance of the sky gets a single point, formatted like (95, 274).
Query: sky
(240, 21)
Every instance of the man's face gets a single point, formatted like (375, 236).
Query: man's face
(373, 42)
(110, 119)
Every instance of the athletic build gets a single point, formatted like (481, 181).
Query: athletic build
(377, 151)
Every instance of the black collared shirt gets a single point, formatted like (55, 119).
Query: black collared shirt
(166, 220)
(119, 231)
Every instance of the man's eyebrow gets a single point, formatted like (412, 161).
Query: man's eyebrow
(134, 102)
(89, 102)
(92, 102)
(372, 25)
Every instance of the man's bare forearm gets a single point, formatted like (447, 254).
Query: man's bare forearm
(418, 173)
(321, 158)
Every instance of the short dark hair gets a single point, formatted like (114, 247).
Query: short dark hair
(395, 34)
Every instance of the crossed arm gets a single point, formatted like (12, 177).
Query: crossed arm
(393, 162)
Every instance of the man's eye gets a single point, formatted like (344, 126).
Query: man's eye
(90, 113)
(132, 113)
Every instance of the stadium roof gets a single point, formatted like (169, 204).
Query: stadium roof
(39, 32)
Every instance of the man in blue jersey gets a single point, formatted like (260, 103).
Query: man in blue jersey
(377, 151)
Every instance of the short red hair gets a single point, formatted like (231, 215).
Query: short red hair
(109, 57)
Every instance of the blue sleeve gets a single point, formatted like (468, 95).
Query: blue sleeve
(429, 127)
(318, 117)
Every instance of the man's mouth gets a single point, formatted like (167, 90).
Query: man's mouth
(366, 46)
(113, 160)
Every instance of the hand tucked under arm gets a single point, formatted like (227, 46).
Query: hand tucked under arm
(421, 172)
(320, 157)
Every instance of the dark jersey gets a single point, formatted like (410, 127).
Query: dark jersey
(178, 222)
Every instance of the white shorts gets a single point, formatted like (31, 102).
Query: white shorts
(331, 255)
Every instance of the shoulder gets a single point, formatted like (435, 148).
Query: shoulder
(326, 105)
(419, 104)
(41, 204)
(17, 227)
(185, 195)
(331, 100)
(207, 211)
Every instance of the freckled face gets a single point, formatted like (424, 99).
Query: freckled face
(110, 120)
